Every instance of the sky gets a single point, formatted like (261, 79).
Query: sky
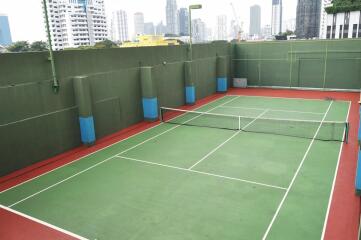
(26, 22)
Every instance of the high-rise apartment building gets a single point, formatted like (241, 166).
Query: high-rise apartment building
(172, 17)
(5, 34)
(308, 18)
(138, 23)
(276, 24)
(323, 20)
(119, 26)
(75, 23)
(183, 17)
(255, 21)
(222, 27)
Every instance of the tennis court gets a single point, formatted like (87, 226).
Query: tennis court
(240, 167)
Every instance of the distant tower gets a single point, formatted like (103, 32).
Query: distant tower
(120, 26)
(160, 29)
(255, 21)
(139, 23)
(149, 28)
(5, 34)
(222, 27)
(308, 18)
(199, 31)
(183, 22)
(172, 17)
(276, 24)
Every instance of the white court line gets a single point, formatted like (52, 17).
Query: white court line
(273, 110)
(203, 173)
(334, 181)
(43, 223)
(295, 175)
(106, 160)
(72, 162)
(229, 139)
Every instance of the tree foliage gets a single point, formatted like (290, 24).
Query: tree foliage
(344, 6)
(287, 33)
(20, 46)
(25, 46)
(39, 46)
(105, 44)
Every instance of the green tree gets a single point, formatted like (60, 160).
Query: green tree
(39, 46)
(20, 46)
(287, 33)
(105, 44)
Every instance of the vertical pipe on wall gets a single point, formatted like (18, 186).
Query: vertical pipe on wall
(51, 55)
(84, 101)
(149, 94)
(222, 81)
(190, 89)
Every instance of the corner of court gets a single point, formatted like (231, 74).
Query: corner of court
(342, 221)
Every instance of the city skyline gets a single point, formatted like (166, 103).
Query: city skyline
(153, 11)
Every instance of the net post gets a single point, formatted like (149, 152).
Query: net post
(239, 123)
(347, 132)
(161, 114)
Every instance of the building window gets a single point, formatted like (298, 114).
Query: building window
(340, 34)
(354, 31)
(328, 35)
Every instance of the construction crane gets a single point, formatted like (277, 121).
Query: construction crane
(238, 25)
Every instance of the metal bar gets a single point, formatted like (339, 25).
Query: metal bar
(53, 69)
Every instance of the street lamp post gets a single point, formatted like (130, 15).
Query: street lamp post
(192, 7)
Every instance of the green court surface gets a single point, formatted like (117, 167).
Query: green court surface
(183, 182)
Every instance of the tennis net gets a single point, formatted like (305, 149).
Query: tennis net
(328, 130)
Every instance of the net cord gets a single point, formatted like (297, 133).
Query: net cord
(239, 117)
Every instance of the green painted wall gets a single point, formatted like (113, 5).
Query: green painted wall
(311, 64)
(36, 124)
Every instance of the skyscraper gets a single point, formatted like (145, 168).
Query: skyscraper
(76, 23)
(119, 26)
(149, 28)
(276, 24)
(160, 29)
(222, 27)
(255, 21)
(139, 23)
(172, 17)
(183, 22)
(199, 31)
(308, 18)
(5, 34)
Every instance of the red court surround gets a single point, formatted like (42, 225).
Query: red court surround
(344, 214)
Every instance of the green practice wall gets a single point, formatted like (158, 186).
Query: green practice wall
(36, 124)
(328, 64)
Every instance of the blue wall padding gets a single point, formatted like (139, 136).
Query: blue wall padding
(190, 94)
(359, 129)
(221, 84)
(358, 174)
(150, 108)
(87, 130)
